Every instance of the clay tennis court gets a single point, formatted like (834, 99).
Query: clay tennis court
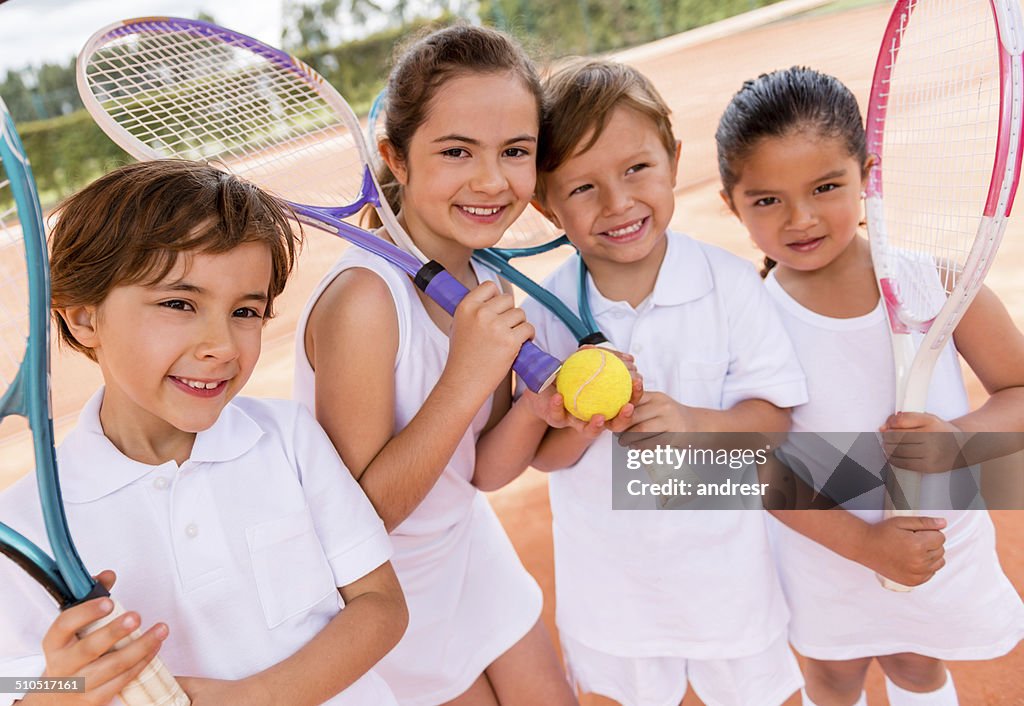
(697, 81)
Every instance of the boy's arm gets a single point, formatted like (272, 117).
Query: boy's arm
(372, 622)
(658, 413)
(106, 670)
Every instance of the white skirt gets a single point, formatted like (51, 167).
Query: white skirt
(470, 600)
(968, 611)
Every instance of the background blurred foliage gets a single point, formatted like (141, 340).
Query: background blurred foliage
(67, 150)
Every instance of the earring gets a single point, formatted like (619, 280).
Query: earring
(863, 195)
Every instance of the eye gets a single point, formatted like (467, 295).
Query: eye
(825, 188)
(247, 312)
(637, 167)
(455, 152)
(516, 152)
(766, 201)
(581, 189)
(178, 304)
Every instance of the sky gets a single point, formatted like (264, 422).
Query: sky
(38, 31)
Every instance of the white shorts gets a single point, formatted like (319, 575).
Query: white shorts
(764, 679)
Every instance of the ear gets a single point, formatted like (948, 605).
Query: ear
(81, 321)
(869, 163)
(535, 202)
(728, 203)
(675, 161)
(394, 161)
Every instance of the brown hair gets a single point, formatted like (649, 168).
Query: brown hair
(130, 226)
(578, 100)
(431, 60)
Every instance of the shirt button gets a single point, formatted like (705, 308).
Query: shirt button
(192, 530)
(160, 483)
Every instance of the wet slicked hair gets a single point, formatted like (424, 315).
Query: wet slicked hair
(783, 103)
(131, 225)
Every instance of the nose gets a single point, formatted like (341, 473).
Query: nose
(616, 201)
(489, 177)
(802, 215)
(216, 340)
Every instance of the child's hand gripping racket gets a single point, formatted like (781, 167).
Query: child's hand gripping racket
(25, 391)
(165, 87)
(944, 121)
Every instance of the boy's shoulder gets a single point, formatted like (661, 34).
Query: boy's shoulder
(719, 259)
(271, 414)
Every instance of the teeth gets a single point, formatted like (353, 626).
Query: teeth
(481, 211)
(627, 230)
(198, 385)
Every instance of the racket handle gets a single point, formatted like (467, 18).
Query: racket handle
(155, 686)
(908, 485)
(536, 368)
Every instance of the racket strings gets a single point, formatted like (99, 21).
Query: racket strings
(183, 94)
(14, 308)
(940, 136)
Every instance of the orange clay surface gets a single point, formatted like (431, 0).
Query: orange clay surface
(697, 82)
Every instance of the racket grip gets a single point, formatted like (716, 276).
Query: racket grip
(908, 485)
(155, 686)
(536, 368)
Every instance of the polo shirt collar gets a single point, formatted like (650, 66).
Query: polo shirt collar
(684, 276)
(91, 466)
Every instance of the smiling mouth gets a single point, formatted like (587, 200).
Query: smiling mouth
(203, 388)
(482, 211)
(626, 230)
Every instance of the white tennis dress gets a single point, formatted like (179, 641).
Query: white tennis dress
(969, 609)
(469, 597)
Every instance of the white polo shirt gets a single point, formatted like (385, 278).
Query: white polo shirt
(240, 550)
(697, 584)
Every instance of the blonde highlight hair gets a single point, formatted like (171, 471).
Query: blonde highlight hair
(580, 97)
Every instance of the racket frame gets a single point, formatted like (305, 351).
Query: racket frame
(914, 363)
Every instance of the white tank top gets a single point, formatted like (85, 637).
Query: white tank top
(839, 610)
(422, 353)
(851, 384)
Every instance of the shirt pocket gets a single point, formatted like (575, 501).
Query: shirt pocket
(700, 383)
(291, 572)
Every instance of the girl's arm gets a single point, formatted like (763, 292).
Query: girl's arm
(905, 549)
(994, 348)
(373, 621)
(352, 340)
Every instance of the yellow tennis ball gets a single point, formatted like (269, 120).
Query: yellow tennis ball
(594, 381)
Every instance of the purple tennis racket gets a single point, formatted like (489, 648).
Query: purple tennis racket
(164, 87)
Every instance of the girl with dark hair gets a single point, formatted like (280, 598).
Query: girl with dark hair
(792, 157)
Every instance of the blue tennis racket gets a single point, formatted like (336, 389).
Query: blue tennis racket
(25, 392)
(165, 87)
